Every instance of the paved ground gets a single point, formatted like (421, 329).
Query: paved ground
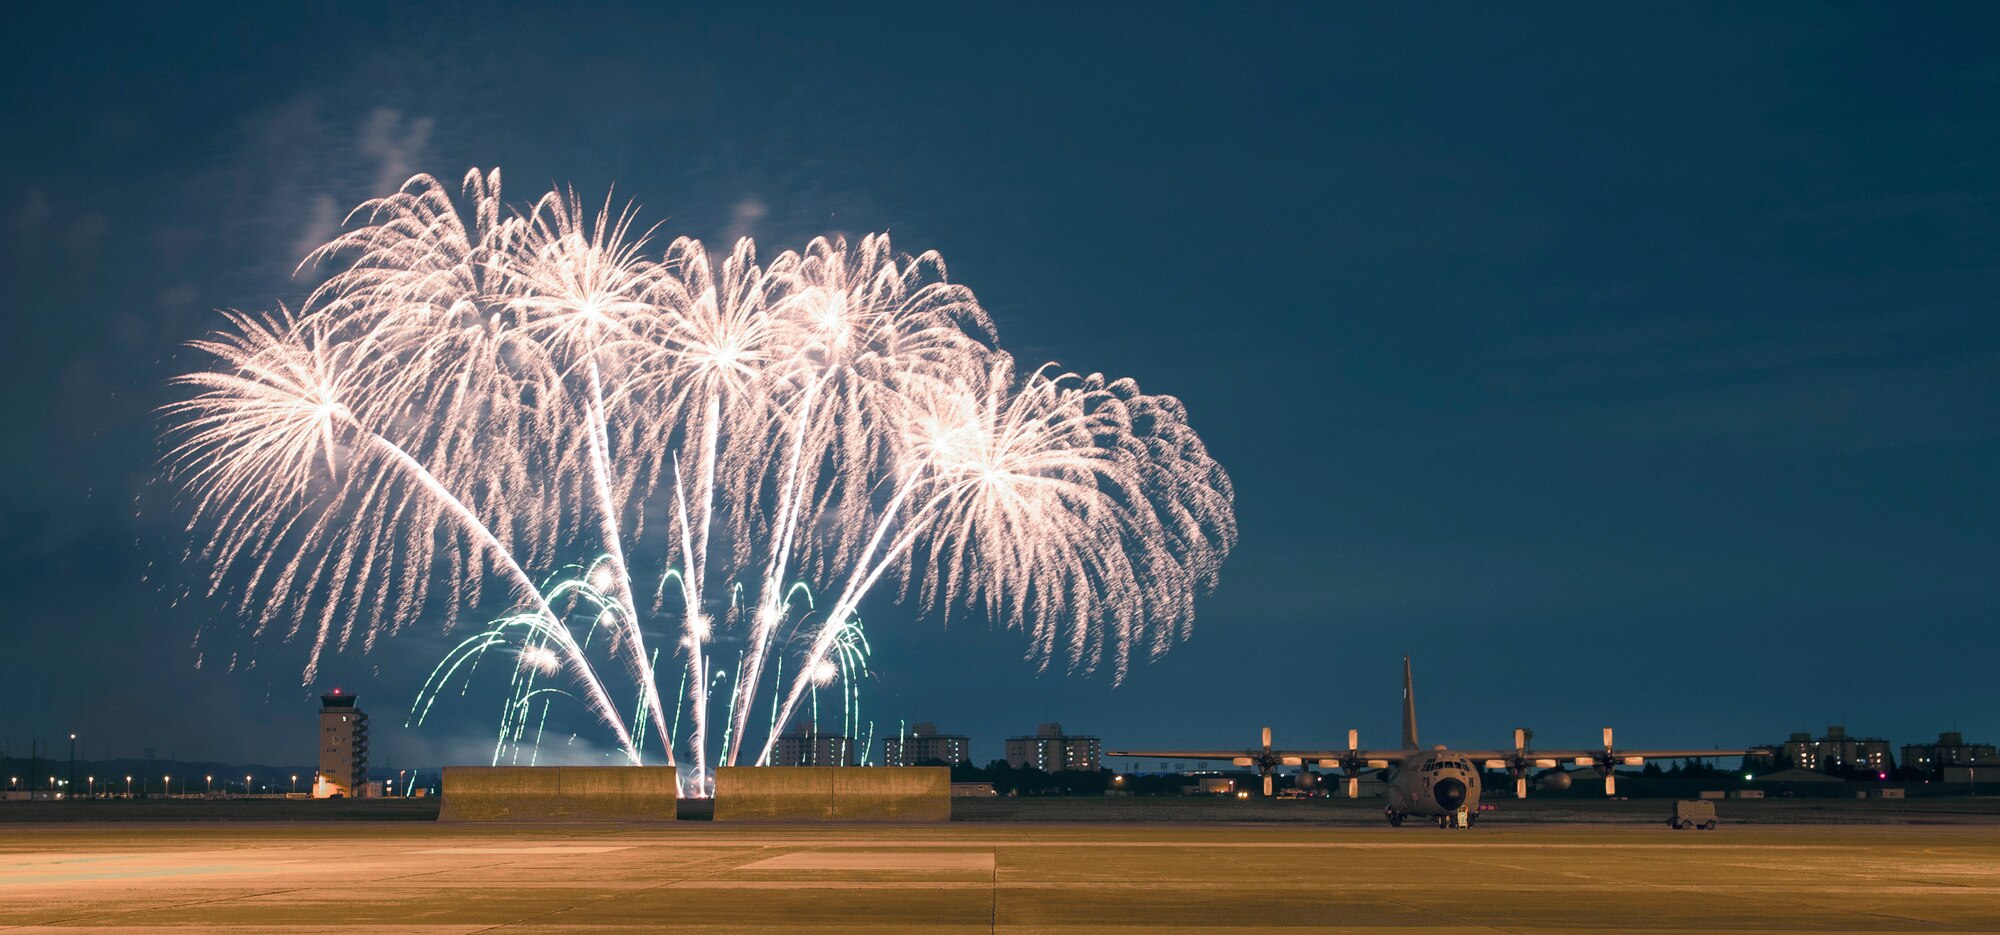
(1017, 877)
(1941, 809)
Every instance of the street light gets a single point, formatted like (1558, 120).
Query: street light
(167, 786)
(246, 783)
(72, 758)
(211, 785)
(92, 788)
(295, 784)
(128, 787)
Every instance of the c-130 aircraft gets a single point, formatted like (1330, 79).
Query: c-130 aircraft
(1437, 783)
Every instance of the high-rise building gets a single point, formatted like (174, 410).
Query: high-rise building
(923, 744)
(806, 746)
(1950, 750)
(1836, 752)
(343, 748)
(1053, 751)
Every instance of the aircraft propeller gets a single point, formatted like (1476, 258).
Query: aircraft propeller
(1608, 762)
(1264, 762)
(1349, 764)
(1521, 762)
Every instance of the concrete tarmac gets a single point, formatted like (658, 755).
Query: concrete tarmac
(352, 877)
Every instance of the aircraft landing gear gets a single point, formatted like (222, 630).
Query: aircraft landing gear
(1395, 819)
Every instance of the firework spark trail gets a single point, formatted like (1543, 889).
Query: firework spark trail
(572, 654)
(811, 674)
(478, 391)
(582, 285)
(285, 393)
(770, 609)
(634, 640)
(699, 628)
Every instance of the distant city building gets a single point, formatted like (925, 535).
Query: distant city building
(805, 746)
(343, 748)
(1985, 769)
(1949, 750)
(1051, 750)
(1836, 752)
(923, 744)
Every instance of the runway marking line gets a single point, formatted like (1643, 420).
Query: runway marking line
(899, 860)
(532, 849)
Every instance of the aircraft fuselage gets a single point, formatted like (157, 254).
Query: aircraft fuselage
(1433, 784)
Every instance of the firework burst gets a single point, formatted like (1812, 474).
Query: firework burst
(474, 393)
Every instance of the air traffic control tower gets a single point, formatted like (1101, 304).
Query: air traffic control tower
(343, 748)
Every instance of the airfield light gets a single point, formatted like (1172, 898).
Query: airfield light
(1747, 777)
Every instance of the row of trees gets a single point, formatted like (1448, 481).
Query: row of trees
(1008, 779)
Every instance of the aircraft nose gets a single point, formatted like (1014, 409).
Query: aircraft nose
(1450, 793)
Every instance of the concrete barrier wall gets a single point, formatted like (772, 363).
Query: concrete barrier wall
(904, 793)
(829, 793)
(774, 793)
(559, 793)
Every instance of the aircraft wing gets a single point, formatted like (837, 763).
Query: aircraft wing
(1570, 756)
(1287, 757)
(1391, 757)
(1643, 754)
(1186, 754)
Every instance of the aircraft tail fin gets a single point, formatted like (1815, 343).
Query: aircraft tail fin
(1409, 709)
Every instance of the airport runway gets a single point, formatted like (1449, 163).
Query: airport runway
(409, 877)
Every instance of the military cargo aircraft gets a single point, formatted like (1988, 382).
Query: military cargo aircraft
(1438, 783)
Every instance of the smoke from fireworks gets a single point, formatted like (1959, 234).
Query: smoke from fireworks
(479, 393)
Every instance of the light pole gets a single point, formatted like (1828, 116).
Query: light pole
(128, 787)
(167, 786)
(211, 785)
(91, 790)
(295, 784)
(246, 783)
(72, 759)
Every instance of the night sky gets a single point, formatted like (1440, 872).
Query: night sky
(1634, 368)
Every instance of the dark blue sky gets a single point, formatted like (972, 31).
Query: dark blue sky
(1634, 368)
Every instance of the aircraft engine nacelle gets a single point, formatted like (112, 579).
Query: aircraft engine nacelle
(1243, 761)
(1554, 780)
